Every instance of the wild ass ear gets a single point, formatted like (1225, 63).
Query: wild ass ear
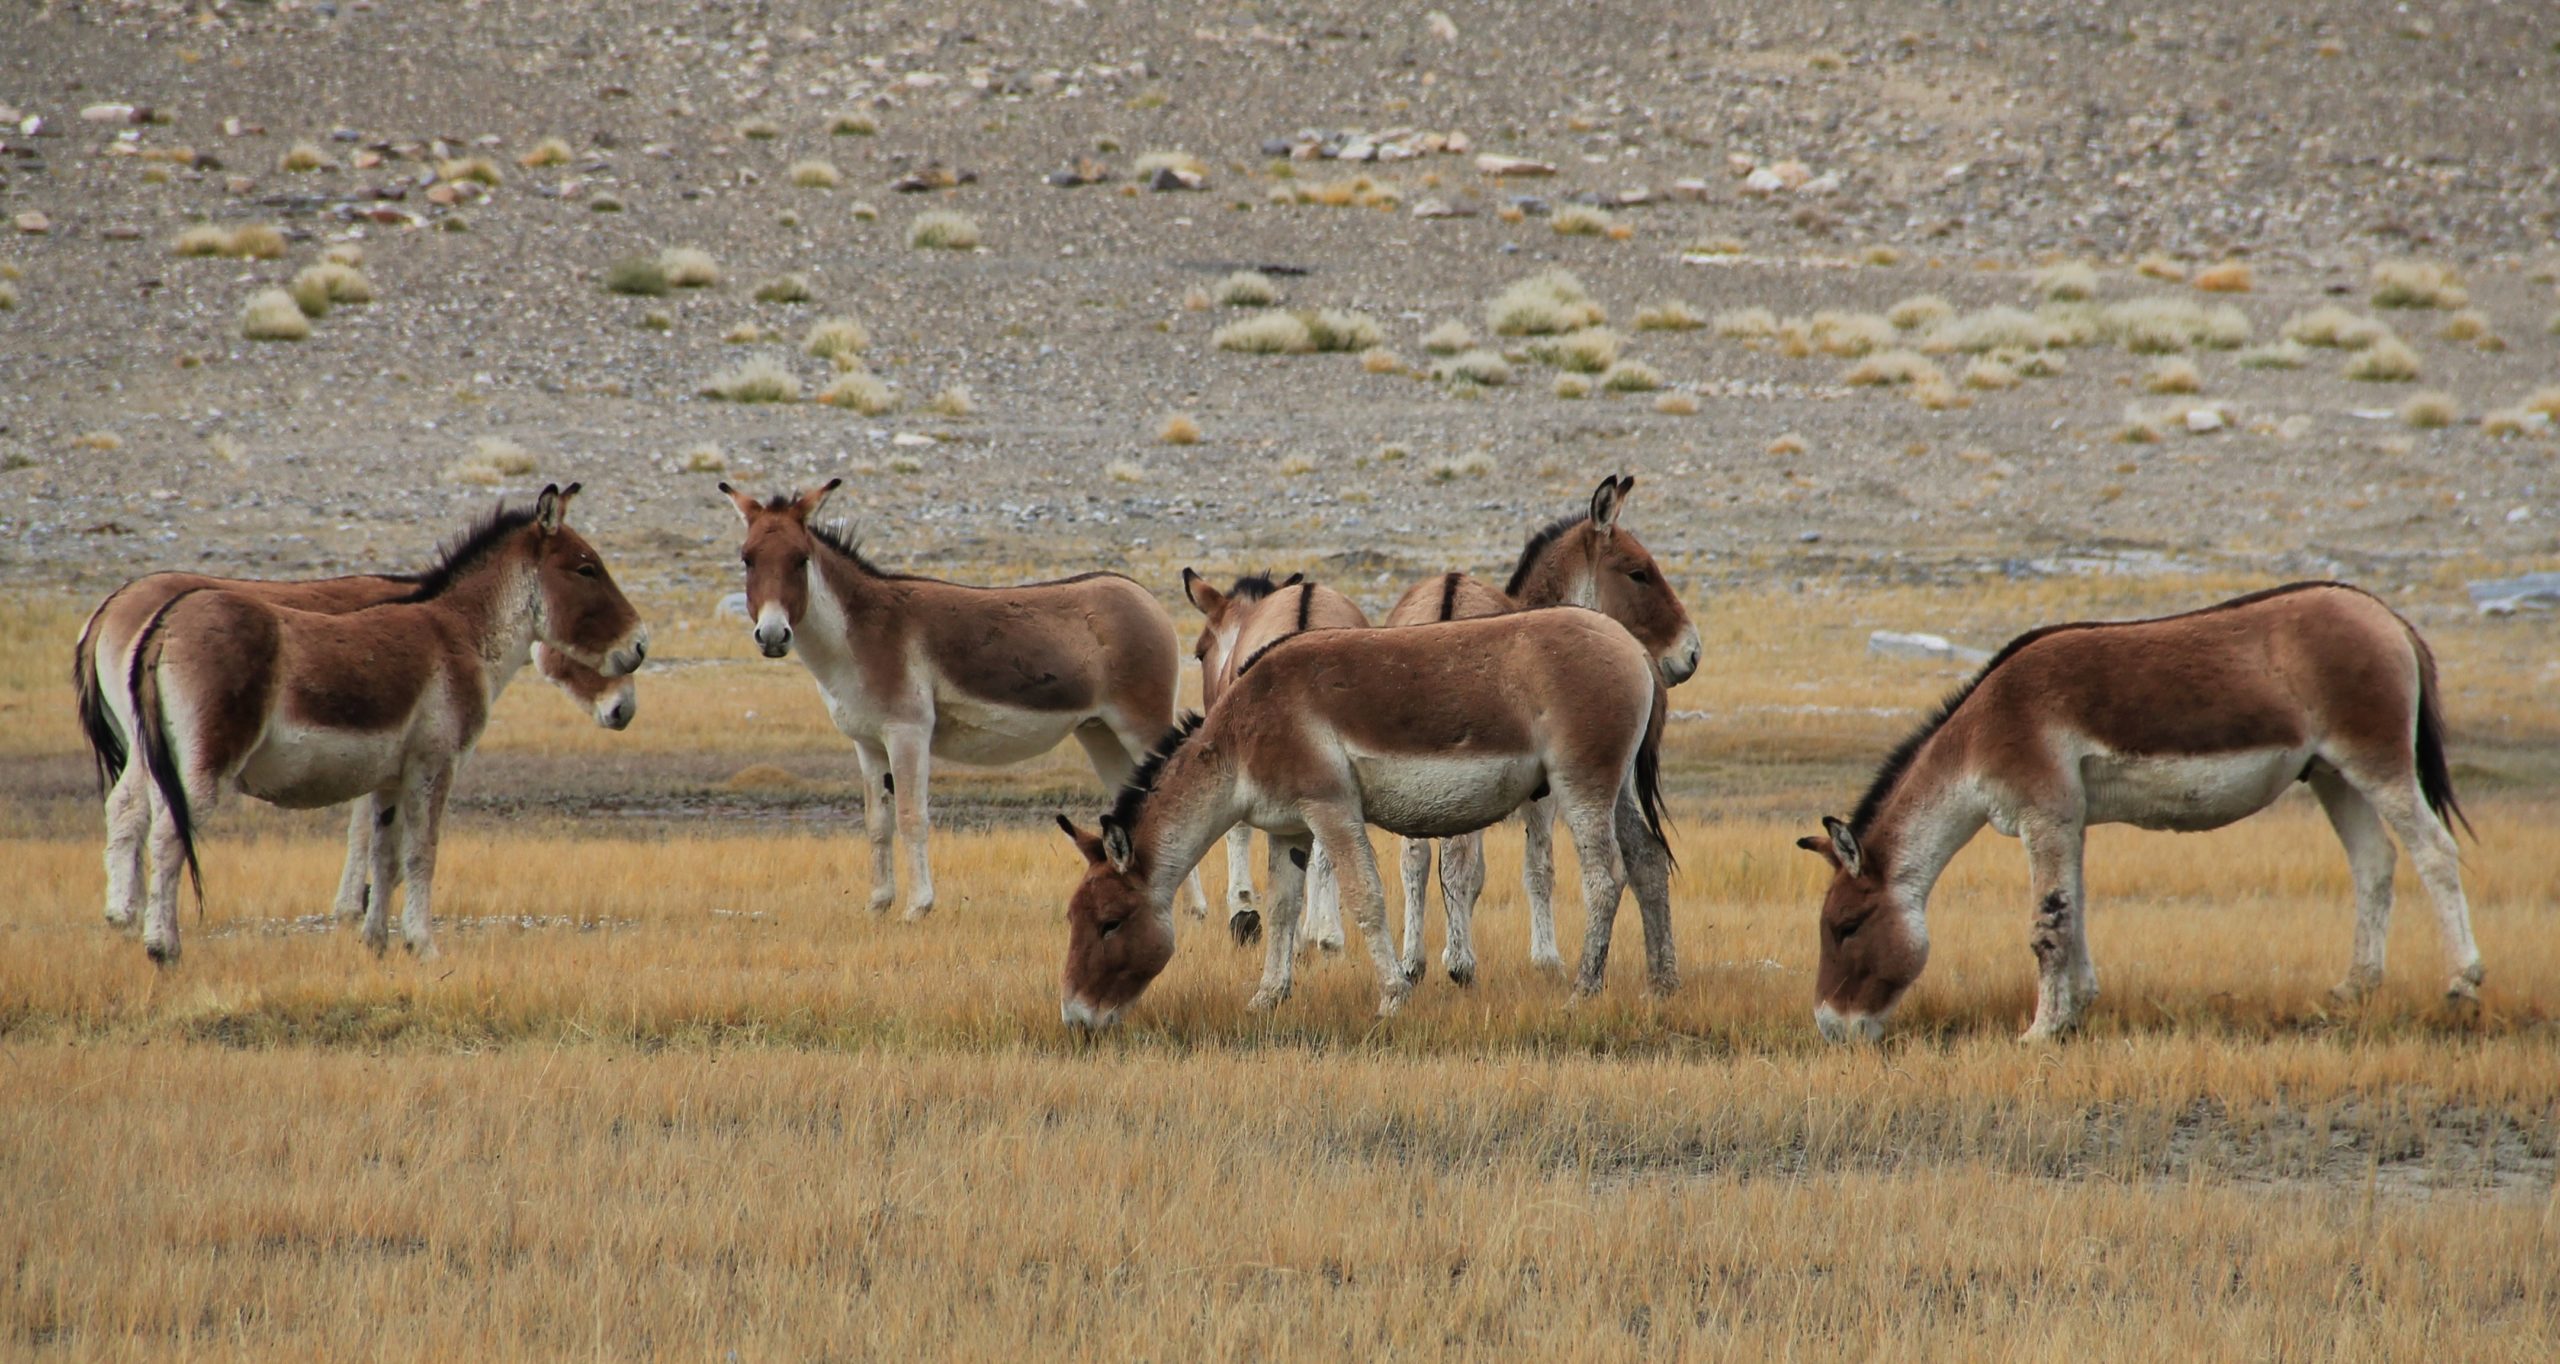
(552, 507)
(1088, 844)
(1820, 846)
(809, 502)
(747, 506)
(1608, 500)
(1202, 594)
(1844, 844)
(1115, 844)
(1293, 580)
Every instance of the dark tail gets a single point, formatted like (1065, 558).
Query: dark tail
(107, 750)
(1649, 771)
(151, 736)
(2435, 776)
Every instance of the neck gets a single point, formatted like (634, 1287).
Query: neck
(500, 605)
(1556, 579)
(1192, 807)
(1934, 809)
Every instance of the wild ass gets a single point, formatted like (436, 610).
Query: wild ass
(2180, 723)
(106, 719)
(308, 710)
(914, 669)
(1427, 732)
(1242, 621)
(1582, 560)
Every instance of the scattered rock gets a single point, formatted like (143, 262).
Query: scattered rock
(1084, 170)
(121, 232)
(1690, 191)
(932, 177)
(1762, 181)
(237, 127)
(2203, 419)
(1937, 648)
(1532, 205)
(2506, 596)
(116, 113)
(1497, 165)
(32, 223)
(1441, 208)
(1176, 178)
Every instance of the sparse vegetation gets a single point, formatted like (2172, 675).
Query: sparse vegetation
(1589, 351)
(1448, 338)
(686, 267)
(1125, 471)
(2166, 325)
(2388, 361)
(1919, 312)
(1746, 324)
(1850, 335)
(1265, 333)
(1787, 446)
(705, 457)
(2287, 354)
(943, 230)
(1339, 329)
(784, 289)
(1246, 289)
(2428, 411)
(1631, 376)
(2333, 326)
(2068, 282)
(858, 390)
(759, 380)
(302, 158)
(550, 151)
(2470, 324)
(1545, 304)
(1571, 387)
(639, 276)
(2157, 265)
(1990, 375)
(1380, 360)
(1475, 464)
(272, 315)
(469, 170)
(2417, 284)
(1483, 368)
(853, 124)
(2229, 277)
(491, 461)
(839, 340)
(2173, 375)
(815, 174)
(759, 129)
(1894, 367)
(1676, 403)
(954, 401)
(257, 241)
(328, 282)
(1581, 220)
(1177, 429)
(1670, 316)
(8, 295)
(1989, 330)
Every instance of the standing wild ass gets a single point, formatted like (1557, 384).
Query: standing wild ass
(306, 710)
(106, 718)
(1425, 732)
(914, 669)
(2180, 723)
(1240, 623)
(1586, 560)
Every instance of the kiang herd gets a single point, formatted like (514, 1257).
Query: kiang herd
(1465, 704)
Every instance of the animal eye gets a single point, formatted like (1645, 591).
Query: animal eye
(589, 571)
(1103, 930)
(1852, 924)
(1638, 575)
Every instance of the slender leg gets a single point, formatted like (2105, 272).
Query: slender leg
(1364, 896)
(910, 763)
(168, 867)
(2432, 848)
(1538, 879)
(422, 822)
(876, 804)
(352, 878)
(1288, 868)
(2371, 859)
(1244, 918)
(129, 819)
(2066, 981)
(1591, 819)
(1649, 874)
(1415, 863)
(386, 868)
(1322, 927)
(1461, 881)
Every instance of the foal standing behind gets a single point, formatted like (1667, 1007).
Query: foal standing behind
(1241, 622)
(914, 669)
(2180, 723)
(1584, 560)
(307, 710)
(1425, 732)
(106, 718)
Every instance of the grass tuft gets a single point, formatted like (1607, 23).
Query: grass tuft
(550, 151)
(1178, 429)
(1448, 338)
(2332, 326)
(2173, 375)
(859, 390)
(784, 289)
(1380, 360)
(2387, 361)
(638, 276)
(1919, 312)
(1125, 471)
(1246, 289)
(2429, 411)
(1892, 368)
(943, 230)
(815, 174)
(2416, 284)
(1340, 329)
(1589, 351)
(2069, 282)
(302, 158)
(2229, 277)
(1266, 333)
(854, 124)
(2286, 354)
(836, 339)
(1676, 403)
(273, 315)
(1631, 376)
(1672, 316)
(1571, 387)
(1544, 304)
(1482, 368)
(1581, 220)
(955, 402)
(687, 267)
(1991, 375)
(759, 380)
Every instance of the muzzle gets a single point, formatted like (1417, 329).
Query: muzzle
(1082, 1018)
(773, 633)
(626, 660)
(616, 711)
(1853, 1028)
(1683, 662)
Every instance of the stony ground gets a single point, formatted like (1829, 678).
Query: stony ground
(1950, 150)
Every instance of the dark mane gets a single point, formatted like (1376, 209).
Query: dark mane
(463, 551)
(1889, 773)
(1142, 783)
(834, 538)
(1538, 545)
(1252, 587)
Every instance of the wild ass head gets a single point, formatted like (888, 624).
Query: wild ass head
(1117, 944)
(777, 552)
(1593, 561)
(1224, 614)
(1874, 940)
(611, 700)
(584, 615)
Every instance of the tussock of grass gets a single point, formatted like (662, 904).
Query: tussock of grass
(550, 151)
(859, 390)
(1589, 351)
(257, 241)
(2429, 411)
(1581, 220)
(2069, 282)
(1340, 329)
(1246, 289)
(1476, 464)
(2156, 265)
(1571, 387)
(705, 457)
(1380, 360)
(1177, 429)
(1989, 330)
(1850, 335)
(1544, 304)
(2470, 324)
(1147, 164)
(302, 158)
(272, 315)
(1881, 256)
(8, 295)
(1940, 396)
(2163, 325)
(2036, 364)
(815, 174)
(2387, 361)
(1990, 374)
(1448, 338)
(687, 267)
(943, 230)
(2173, 375)
(492, 460)
(2417, 284)
(1746, 324)
(469, 170)
(1787, 445)
(2545, 401)
(955, 402)
(1676, 403)
(2332, 326)
(1893, 367)
(1484, 368)
(2286, 354)
(1266, 333)
(1919, 312)
(759, 380)
(836, 339)
(2504, 422)
(638, 276)
(759, 129)
(784, 289)
(1671, 316)
(1360, 191)
(855, 124)
(1631, 376)
(1297, 466)
(1125, 471)
(2229, 277)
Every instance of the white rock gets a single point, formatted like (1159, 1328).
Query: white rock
(2203, 419)
(1913, 644)
(1441, 208)
(1442, 26)
(1762, 180)
(1493, 163)
(1695, 191)
(108, 113)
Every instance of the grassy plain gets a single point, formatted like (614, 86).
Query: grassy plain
(671, 1091)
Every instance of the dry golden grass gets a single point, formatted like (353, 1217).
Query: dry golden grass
(2229, 277)
(1247, 289)
(2430, 411)
(686, 267)
(272, 315)
(1676, 403)
(1892, 367)
(2417, 284)
(1671, 316)
(1271, 332)
(1571, 387)
(859, 390)
(943, 230)
(1746, 324)
(838, 340)
(759, 380)
(815, 174)
(1178, 429)
(2172, 375)
(2387, 361)
(550, 151)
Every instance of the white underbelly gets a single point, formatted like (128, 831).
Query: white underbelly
(1441, 795)
(969, 731)
(304, 769)
(2187, 793)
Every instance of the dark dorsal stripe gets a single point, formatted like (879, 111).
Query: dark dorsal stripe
(1306, 603)
(1448, 596)
(834, 539)
(464, 551)
(1536, 549)
(1142, 782)
(1889, 774)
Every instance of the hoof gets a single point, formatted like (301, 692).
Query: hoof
(1412, 971)
(123, 920)
(1265, 1000)
(917, 914)
(1662, 986)
(1553, 966)
(1462, 976)
(1587, 986)
(1393, 999)
(163, 954)
(2351, 990)
(1245, 927)
(377, 942)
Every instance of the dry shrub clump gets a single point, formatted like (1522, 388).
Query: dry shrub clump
(1894, 367)
(2229, 277)
(1125, 471)
(837, 340)
(304, 157)
(8, 295)
(2545, 401)
(1919, 312)
(1581, 220)
(2165, 325)
(1380, 360)
(955, 402)
(550, 151)
(1990, 374)
(1473, 465)
(1340, 329)
(858, 390)
(855, 124)
(1631, 376)
(1246, 289)
(1448, 338)
(943, 230)
(686, 267)
(2159, 265)
(704, 457)
(2429, 411)
(493, 460)
(2332, 326)
(272, 315)
(1544, 304)
(2417, 284)
(1589, 351)
(1178, 429)
(1673, 316)
(2034, 364)
(1676, 403)
(784, 289)
(815, 174)
(1484, 368)
(256, 241)
(1992, 329)
(2387, 361)
(2286, 354)
(759, 129)
(1746, 324)
(1266, 333)
(2471, 325)
(640, 276)
(2069, 282)
(759, 380)
(2173, 375)
(1850, 335)
(469, 170)
(1572, 387)
(1149, 164)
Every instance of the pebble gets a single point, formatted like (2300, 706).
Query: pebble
(1441, 208)
(1496, 164)
(32, 223)
(115, 113)
(2203, 419)
(1174, 178)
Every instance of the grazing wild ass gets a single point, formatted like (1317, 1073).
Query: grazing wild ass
(1240, 623)
(1426, 732)
(914, 669)
(1587, 560)
(2180, 723)
(304, 710)
(106, 719)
